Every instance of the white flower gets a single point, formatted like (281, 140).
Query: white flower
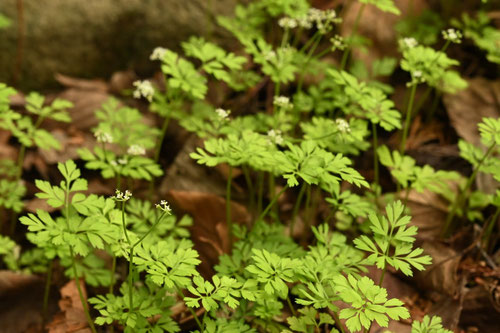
(158, 53)
(343, 125)
(282, 102)
(122, 161)
(452, 35)
(143, 89)
(121, 196)
(164, 206)
(136, 150)
(417, 74)
(410, 42)
(337, 43)
(103, 137)
(287, 22)
(275, 136)
(270, 55)
(223, 114)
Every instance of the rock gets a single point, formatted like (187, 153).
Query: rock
(95, 38)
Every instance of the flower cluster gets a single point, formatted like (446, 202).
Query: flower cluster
(143, 89)
(452, 35)
(282, 102)
(322, 19)
(223, 114)
(343, 125)
(408, 43)
(136, 150)
(287, 23)
(164, 206)
(338, 43)
(103, 137)
(158, 53)
(122, 196)
(275, 137)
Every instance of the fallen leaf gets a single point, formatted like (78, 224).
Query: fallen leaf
(209, 231)
(442, 275)
(21, 298)
(82, 84)
(72, 316)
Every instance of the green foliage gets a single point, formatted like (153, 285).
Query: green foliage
(310, 318)
(425, 28)
(368, 303)
(9, 250)
(23, 127)
(432, 67)
(484, 35)
(429, 325)
(383, 5)
(5, 22)
(393, 241)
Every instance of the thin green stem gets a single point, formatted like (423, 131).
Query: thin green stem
(375, 160)
(112, 276)
(408, 119)
(250, 187)
(296, 207)
(290, 305)
(260, 191)
(489, 228)
(80, 292)
(338, 322)
(458, 202)
(179, 292)
(46, 291)
(273, 201)
(228, 205)
(158, 147)
(345, 56)
(272, 187)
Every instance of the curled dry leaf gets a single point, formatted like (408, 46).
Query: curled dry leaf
(21, 298)
(442, 276)
(209, 231)
(72, 316)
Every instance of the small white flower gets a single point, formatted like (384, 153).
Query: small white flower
(343, 125)
(164, 206)
(144, 89)
(275, 136)
(121, 196)
(113, 163)
(287, 22)
(223, 114)
(270, 55)
(158, 53)
(122, 161)
(282, 102)
(103, 137)
(338, 43)
(410, 42)
(136, 150)
(417, 74)
(452, 35)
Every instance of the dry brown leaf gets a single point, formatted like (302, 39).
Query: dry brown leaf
(209, 231)
(82, 84)
(441, 275)
(72, 316)
(467, 107)
(378, 26)
(428, 211)
(21, 298)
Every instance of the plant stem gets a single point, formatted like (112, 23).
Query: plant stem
(338, 322)
(408, 119)
(158, 147)
(228, 205)
(113, 270)
(272, 187)
(80, 292)
(296, 207)
(260, 191)
(353, 32)
(460, 196)
(271, 204)
(46, 292)
(290, 305)
(250, 187)
(489, 228)
(179, 292)
(375, 160)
